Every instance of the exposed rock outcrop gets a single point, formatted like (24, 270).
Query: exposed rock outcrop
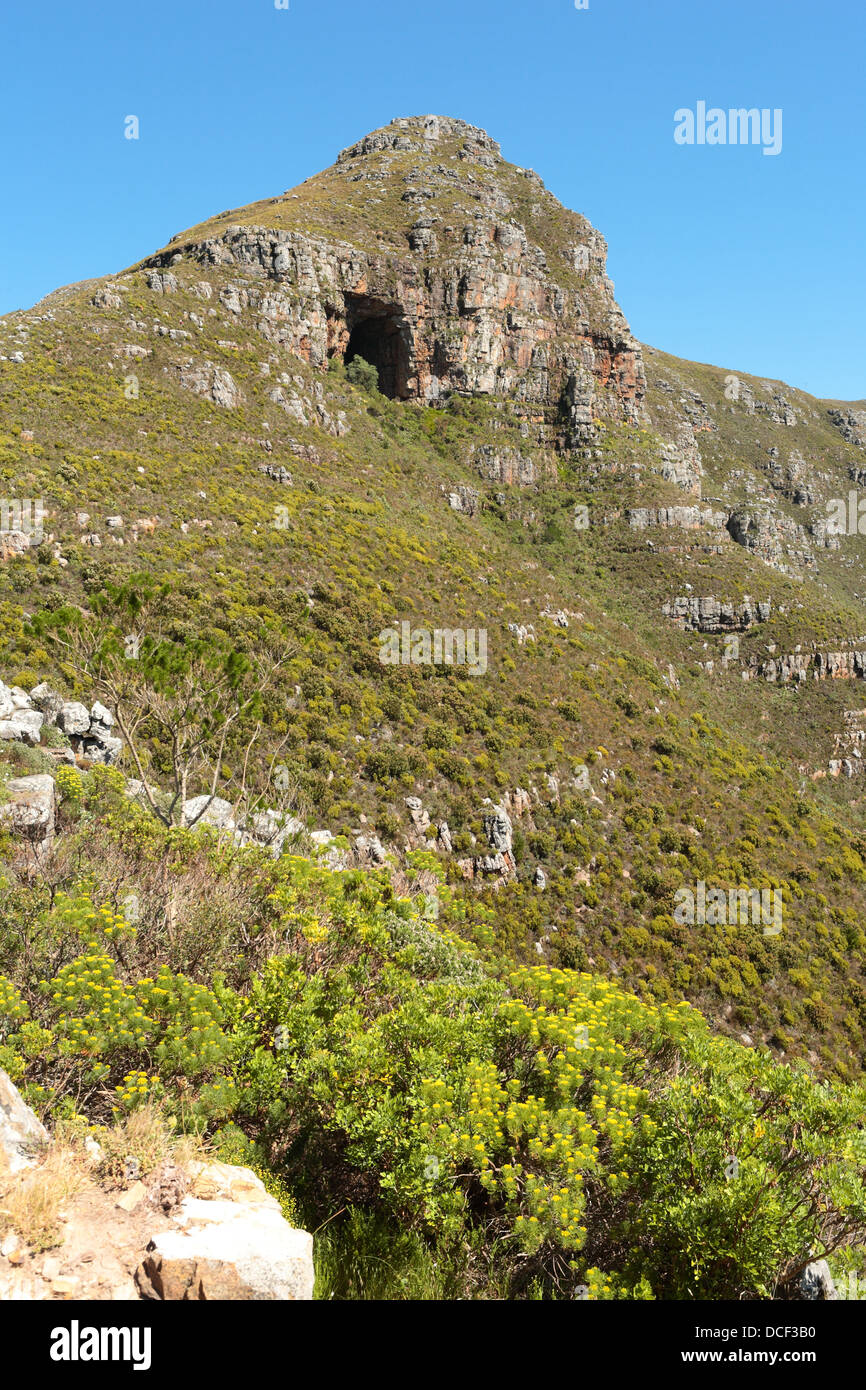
(709, 615)
(21, 1133)
(475, 310)
(229, 1240)
(30, 812)
(851, 425)
(199, 1231)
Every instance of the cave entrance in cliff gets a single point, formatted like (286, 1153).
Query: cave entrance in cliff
(379, 333)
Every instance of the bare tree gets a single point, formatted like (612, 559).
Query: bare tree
(194, 698)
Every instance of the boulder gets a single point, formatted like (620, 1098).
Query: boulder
(73, 718)
(419, 817)
(23, 726)
(269, 828)
(13, 543)
(102, 748)
(327, 852)
(21, 1133)
(101, 716)
(208, 810)
(31, 809)
(369, 851)
(48, 701)
(816, 1282)
(230, 1241)
(498, 829)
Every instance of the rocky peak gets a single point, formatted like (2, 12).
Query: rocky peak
(420, 133)
(449, 269)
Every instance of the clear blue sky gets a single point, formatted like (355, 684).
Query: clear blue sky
(720, 254)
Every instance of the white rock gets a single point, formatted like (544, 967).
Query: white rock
(31, 808)
(272, 1258)
(322, 838)
(208, 810)
(23, 726)
(46, 699)
(73, 718)
(20, 1131)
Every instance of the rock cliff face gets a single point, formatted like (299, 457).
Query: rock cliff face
(484, 284)
(709, 615)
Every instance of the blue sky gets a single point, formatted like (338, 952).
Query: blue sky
(719, 253)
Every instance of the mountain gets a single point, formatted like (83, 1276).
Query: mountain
(401, 400)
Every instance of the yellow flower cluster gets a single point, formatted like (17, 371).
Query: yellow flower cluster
(13, 1007)
(96, 1011)
(135, 1088)
(575, 1115)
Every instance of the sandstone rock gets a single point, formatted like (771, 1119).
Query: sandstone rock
(709, 615)
(132, 1197)
(23, 726)
(206, 379)
(107, 297)
(479, 316)
(558, 617)
(681, 461)
(419, 817)
(101, 718)
(229, 1249)
(689, 518)
(816, 1282)
(48, 701)
(369, 850)
(498, 829)
(13, 544)
(21, 1133)
(73, 718)
(327, 852)
(851, 423)
(64, 1287)
(30, 812)
(102, 748)
(269, 828)
(464, 499)
(162, 282)
(511, 467)
(208, 810)
(518, 802)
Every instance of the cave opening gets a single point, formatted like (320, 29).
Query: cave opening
(379, 333)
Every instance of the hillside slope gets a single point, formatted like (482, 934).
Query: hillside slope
(673, 628)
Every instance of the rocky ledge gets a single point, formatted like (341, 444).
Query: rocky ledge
(195, 1231)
